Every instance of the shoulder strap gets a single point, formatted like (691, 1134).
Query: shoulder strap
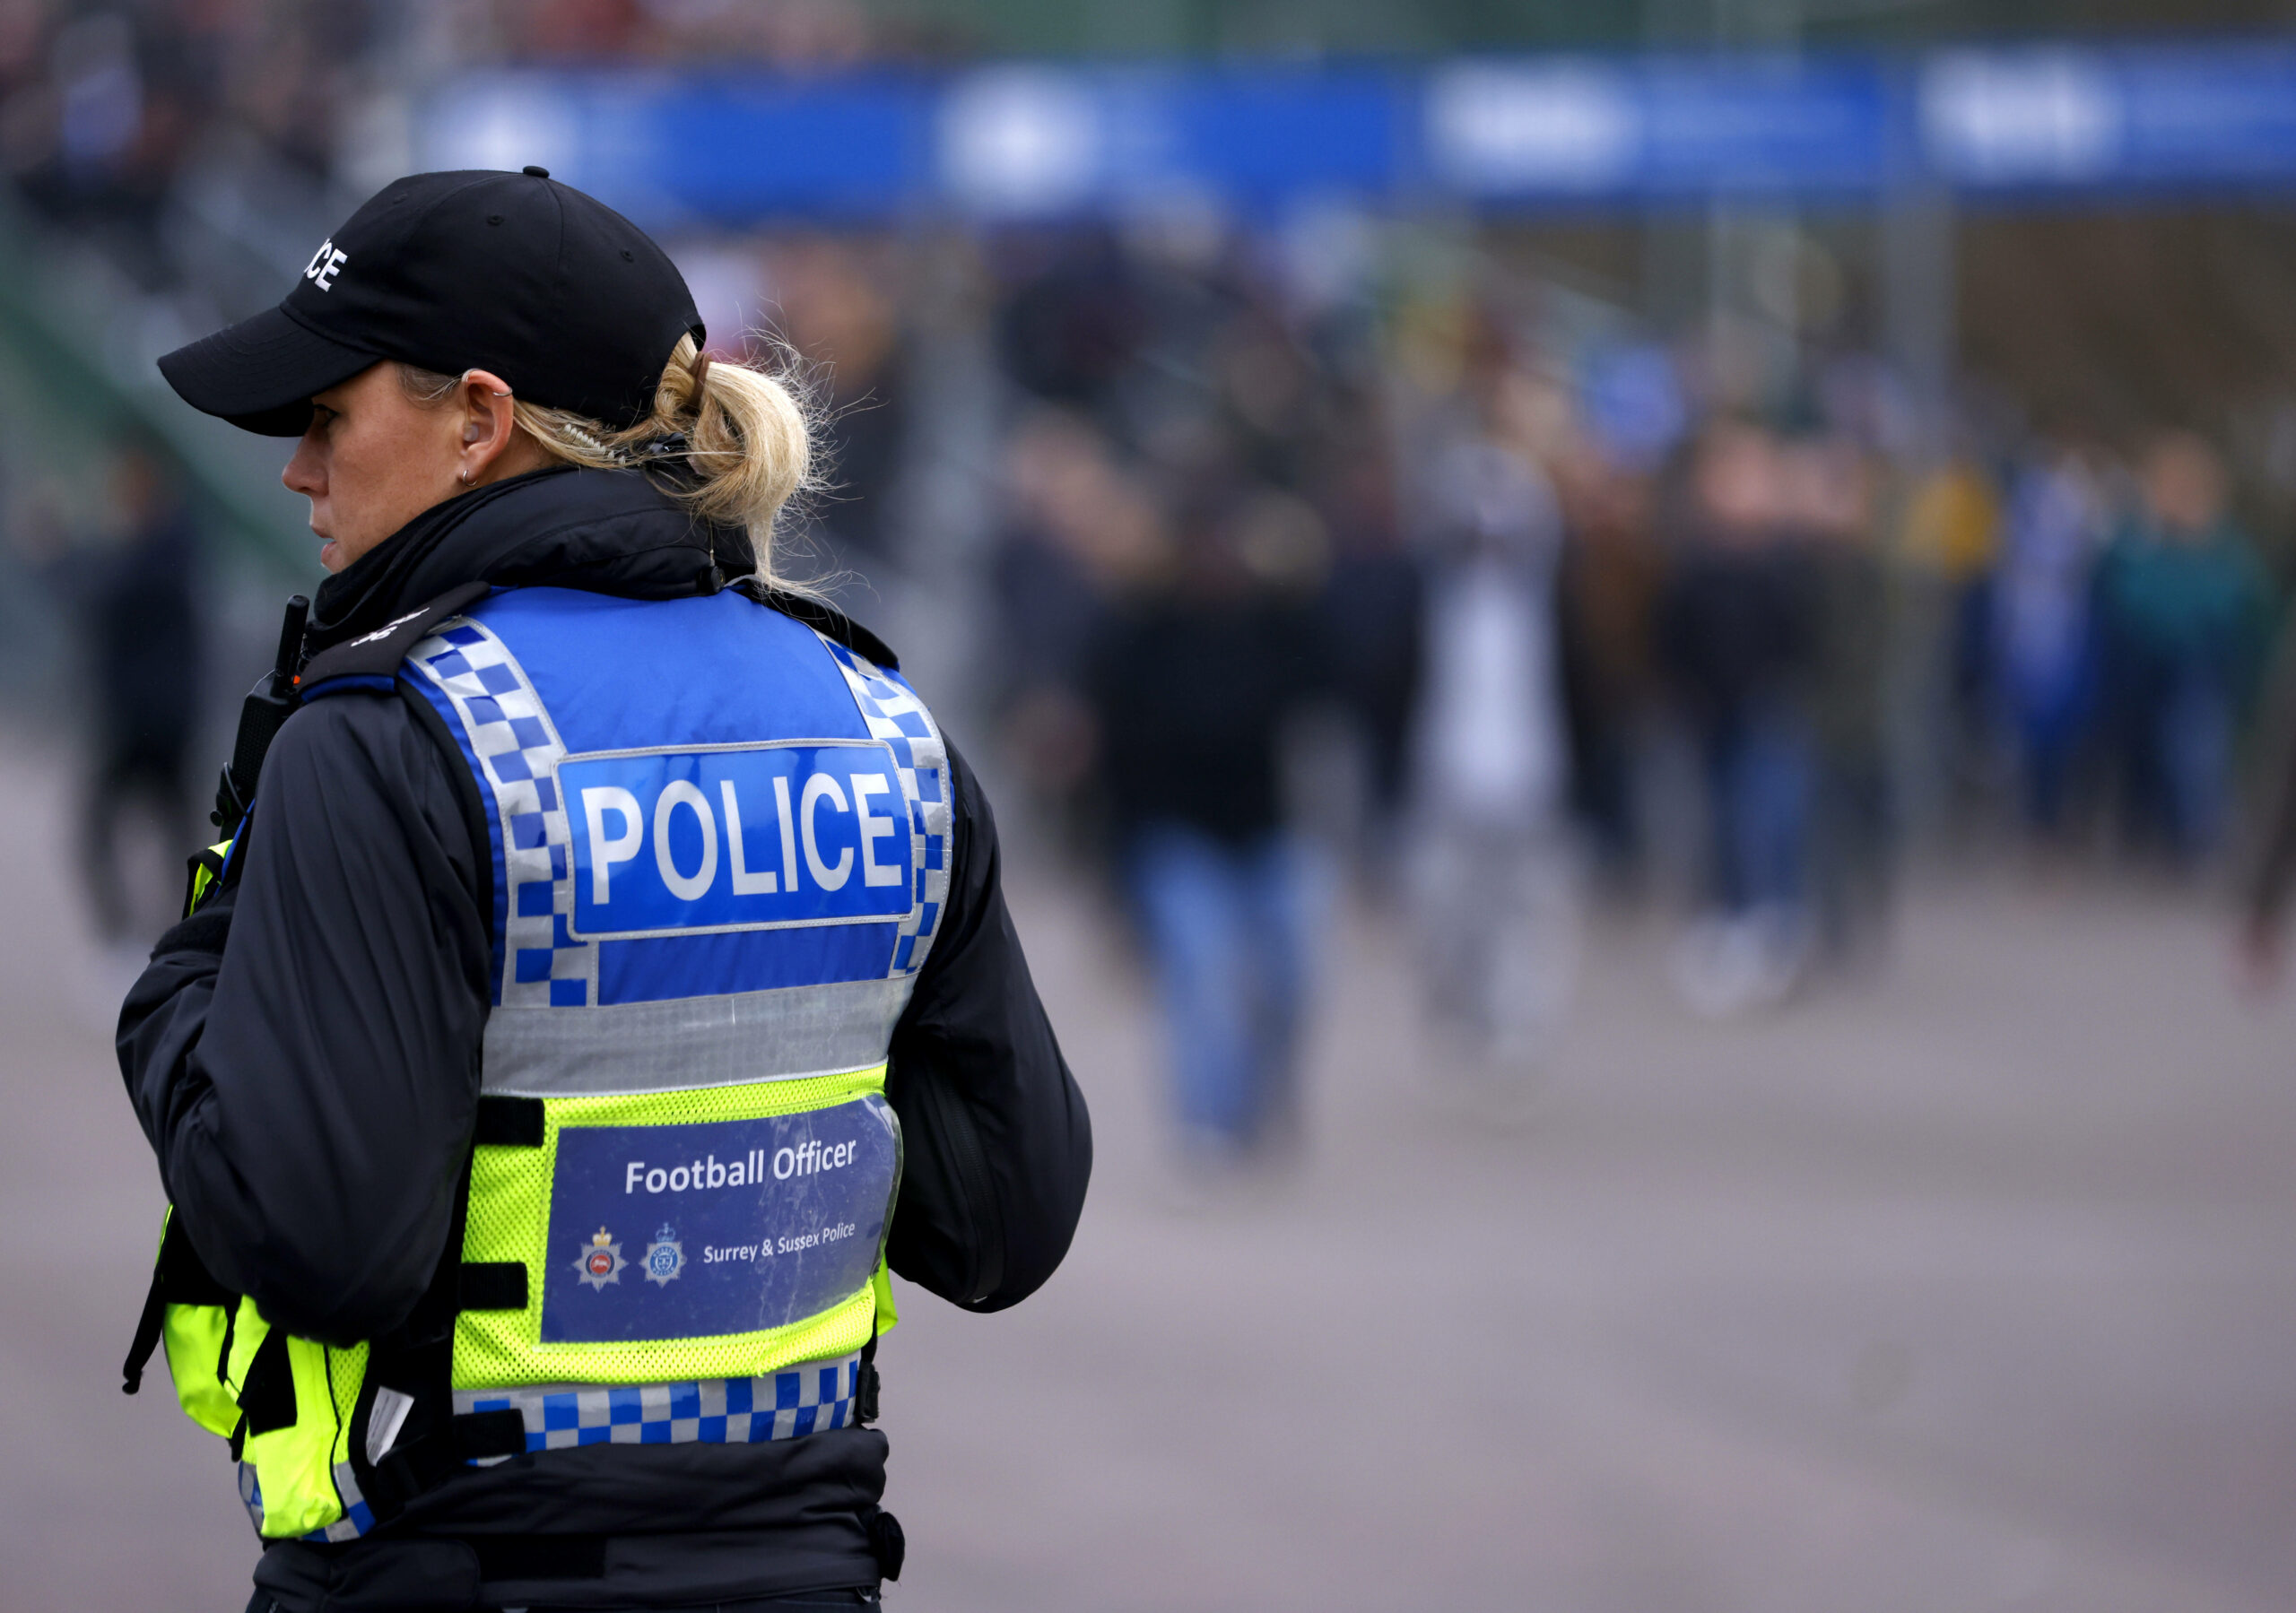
(370, 661)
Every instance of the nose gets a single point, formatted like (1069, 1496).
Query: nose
(306, 471)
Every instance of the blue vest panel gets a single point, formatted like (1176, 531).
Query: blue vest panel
(688, 799)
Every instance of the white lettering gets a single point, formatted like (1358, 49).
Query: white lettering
(788, 833)
(828, 876)
(873, 830)
(746, 883)
(605, 852)
(681, 793)
(709, 1172)
(785, 1165)
(325, 264)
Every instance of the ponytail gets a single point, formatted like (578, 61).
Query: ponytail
(748, 445)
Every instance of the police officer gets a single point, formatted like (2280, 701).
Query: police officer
(609, 981)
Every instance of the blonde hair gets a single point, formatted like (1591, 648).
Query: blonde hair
(747, 439)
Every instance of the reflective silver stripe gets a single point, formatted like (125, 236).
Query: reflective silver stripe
(687, 1043)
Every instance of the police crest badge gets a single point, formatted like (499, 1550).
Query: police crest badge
(665, 1256)
(602, 1262)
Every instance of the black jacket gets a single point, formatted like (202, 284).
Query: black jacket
(1192, 694)
(303, 1056)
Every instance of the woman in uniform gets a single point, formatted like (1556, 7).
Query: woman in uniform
(609, 984)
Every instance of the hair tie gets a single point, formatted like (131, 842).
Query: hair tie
(700, 374)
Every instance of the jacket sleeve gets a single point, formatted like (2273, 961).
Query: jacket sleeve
(997, 1144)
(304, 1059)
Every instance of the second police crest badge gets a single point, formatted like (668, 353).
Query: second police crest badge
(665, 1256)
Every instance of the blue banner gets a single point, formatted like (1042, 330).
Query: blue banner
(2135, 118)
(1536, 130)
(1046, 141)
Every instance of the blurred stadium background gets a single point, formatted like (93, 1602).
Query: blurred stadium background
(1694, 593)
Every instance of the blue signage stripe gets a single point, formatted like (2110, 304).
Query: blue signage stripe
(1048, 139)
(657, 969)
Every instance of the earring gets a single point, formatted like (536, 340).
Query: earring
(465, 478)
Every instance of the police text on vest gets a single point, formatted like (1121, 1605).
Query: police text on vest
(737, 838)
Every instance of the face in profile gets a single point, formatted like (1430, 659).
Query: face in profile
(371, 460)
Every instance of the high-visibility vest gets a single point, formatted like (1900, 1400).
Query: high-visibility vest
(720, 845)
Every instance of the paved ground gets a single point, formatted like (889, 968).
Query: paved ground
(1971, 1289)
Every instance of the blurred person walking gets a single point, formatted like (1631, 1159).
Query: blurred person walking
(1490, 862)
(2269, 877)
(2184, 606)
(1194, 684)
(1945, 731)
(514, 966)
(135, 599)
(1608, 581)
(1737, 637)
(1827, 491)
(1078, 529)
(1374, 613)
(2045, 630)
(835, 312)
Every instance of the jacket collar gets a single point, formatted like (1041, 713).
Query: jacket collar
(604, 531)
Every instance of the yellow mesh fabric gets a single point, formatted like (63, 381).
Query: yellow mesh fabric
(510, 1221)
(346, 1375)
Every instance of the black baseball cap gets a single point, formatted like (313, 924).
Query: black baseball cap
(552, 290)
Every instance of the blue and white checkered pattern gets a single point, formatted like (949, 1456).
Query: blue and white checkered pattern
(788, 1405)
(357, 1518)
(512, 735)
(899, 718)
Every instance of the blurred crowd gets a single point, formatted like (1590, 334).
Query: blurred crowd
(1318, 556)
(206, 142)
(1581, 624)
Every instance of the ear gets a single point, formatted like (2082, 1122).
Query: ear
(483, 401)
